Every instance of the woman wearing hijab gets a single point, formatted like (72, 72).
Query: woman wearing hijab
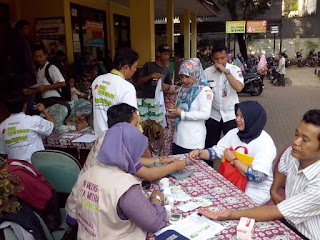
(262, 67)
(107, 200)
(70, 119)
(251, 119)
(192, 108)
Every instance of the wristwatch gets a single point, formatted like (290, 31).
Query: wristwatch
(227, 72)
(158, 198)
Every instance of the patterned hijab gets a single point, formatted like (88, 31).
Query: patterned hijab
(123, 145)
(193, 69)
(255, 118)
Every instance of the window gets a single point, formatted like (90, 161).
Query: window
(298, 8)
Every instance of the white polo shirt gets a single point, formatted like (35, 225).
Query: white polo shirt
(56, 77)
(20, 135)
(191, 131)
(282, 62)
(263, 151)
(302, 204)
(108, 90)
(225, 97)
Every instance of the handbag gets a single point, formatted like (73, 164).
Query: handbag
(231, 173)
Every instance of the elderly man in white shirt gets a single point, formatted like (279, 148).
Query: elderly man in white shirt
(299, 169)
(225, 80)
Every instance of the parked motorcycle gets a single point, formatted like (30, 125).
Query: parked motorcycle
(299, 58)
(272, 64)
(312, 59)
(252, 84)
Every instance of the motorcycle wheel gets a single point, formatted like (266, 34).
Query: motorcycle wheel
(257, 89)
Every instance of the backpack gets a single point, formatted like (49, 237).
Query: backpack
(36, 191)
(65, 92)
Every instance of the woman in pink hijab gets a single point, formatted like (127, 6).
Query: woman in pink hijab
(262, 67)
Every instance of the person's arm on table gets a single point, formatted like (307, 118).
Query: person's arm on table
(147, 215)
(152, 174)
(260, 214)
(149, 161)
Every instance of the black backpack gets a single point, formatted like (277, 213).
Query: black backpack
(65, 92)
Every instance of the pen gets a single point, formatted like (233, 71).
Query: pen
(199, 231)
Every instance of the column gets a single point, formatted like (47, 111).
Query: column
(170, 24)
(186, 28)
(193, 35)
(142, 29)
(68, 31)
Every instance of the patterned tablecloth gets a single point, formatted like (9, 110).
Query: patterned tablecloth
(64, 140)
(205, 181)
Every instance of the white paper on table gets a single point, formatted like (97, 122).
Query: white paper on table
(189, 206)
(86, 138)
(178, 194)
(195, 227)
(71, 135)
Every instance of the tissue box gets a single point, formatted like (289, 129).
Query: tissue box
(245, 228)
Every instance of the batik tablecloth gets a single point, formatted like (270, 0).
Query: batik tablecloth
(205, 181)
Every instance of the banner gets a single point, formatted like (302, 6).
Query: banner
(95, 33)
(256, 26)
(235, 26)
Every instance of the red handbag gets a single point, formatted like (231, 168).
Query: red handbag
(232, 174)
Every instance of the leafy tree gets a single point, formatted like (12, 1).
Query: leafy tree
(244, 10)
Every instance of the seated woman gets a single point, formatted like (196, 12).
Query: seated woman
(70, 119)
(126, 113)
(193, 107)
(251, 119)
(107, 200)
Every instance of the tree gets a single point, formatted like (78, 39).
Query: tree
(244, 10)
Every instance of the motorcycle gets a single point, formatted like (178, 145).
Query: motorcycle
(299, 58)
(312, 59)
(272, 64)
(252, 84)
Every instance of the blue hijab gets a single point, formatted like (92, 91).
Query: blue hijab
(193, 69)
(255, 118)
(123, 146)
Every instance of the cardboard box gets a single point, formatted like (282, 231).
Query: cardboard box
(245, 228)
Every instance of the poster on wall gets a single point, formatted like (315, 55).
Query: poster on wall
(235, 26)
(51, 30)
(256, 26)
(95, 34)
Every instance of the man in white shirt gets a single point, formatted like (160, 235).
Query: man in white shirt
(299, 169)
(113, 88)
(225, 80)
(43, 86)
(282, 69)
(21, 134)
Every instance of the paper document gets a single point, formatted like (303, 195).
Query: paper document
(195, 227)
(86, 138)
(178, 194)
(71, 135)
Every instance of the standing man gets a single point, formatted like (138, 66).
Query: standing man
(225, 81)
(282, 69)
(49, 91)
(24, 71)
(299, 169)
(113, 88)
(152, 72)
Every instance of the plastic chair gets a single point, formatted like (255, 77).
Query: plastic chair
(61, 170)
(2, 160)
(281, 190)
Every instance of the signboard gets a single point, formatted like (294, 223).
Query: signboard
(235, 26)
(95, 34)
(274, 29)
(256, 26)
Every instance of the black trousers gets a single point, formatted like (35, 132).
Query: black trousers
(176, 149)
(214, 129)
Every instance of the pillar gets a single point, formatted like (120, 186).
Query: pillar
(68, 31)
(142, 29)
(193, 35)
(186, 30)
(170, 24)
